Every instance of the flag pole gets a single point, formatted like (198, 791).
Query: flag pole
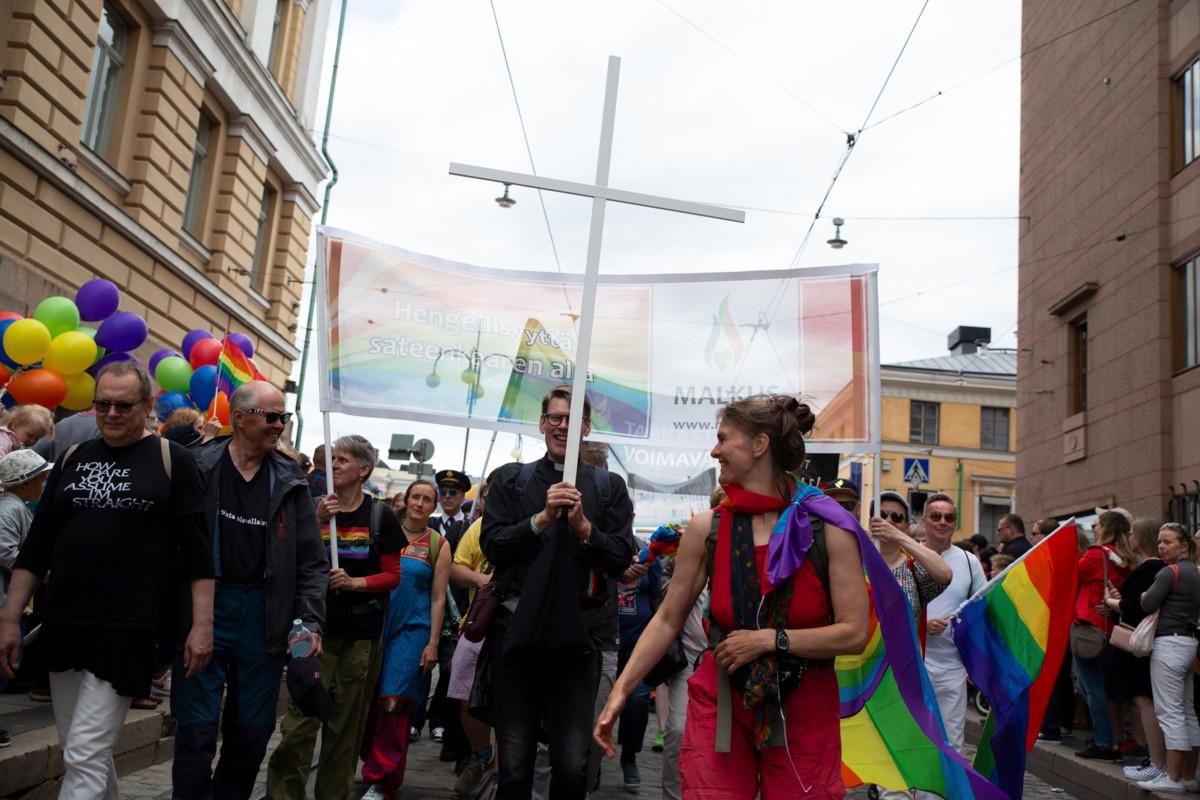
(999, 575)
(333, 551)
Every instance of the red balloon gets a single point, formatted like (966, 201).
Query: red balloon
(9, 315)
(205, 351)
(39, 386)
(4, 375)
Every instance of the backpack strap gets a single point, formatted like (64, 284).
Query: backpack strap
(165, 444)
(376, 520)
(435, 547)
(523, 478)
(67, 455)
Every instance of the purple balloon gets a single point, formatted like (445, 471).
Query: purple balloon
(97, 299)
(159, 355)
(111, 358)
(122, 332)
(189, 341)
(243, 342)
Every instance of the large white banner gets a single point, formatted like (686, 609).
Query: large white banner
(416, 337)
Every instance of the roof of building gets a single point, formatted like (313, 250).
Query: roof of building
(997, 363)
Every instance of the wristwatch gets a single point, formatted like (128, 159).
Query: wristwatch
(782, 643)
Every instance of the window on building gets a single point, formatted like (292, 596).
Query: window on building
(1187, 328)
(276, 36)
(993, 428)
(1187, 115)
(262, 240)
(1079, 364)
(108, 62)
(923, 423)
(193, 210)
(991, 511)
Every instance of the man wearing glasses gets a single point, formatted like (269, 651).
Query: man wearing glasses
(555, 548)
(946, 671)
(846, 494)
(271, 568)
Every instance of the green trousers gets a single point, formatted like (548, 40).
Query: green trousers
(349, 670)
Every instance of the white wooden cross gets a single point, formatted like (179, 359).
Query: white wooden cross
(600, 193)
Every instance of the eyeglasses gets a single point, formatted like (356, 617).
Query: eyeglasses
(937, 516)
(847, 504)
(104, 406)
(271, 417)
(450, 492)
(554, 420)
(895, 516)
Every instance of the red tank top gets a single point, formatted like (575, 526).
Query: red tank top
(810, 604)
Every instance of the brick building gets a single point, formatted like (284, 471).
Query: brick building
(165, 145)
(1108, 313)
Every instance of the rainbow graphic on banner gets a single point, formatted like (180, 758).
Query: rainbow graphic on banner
(353, 541)
(1012, 637)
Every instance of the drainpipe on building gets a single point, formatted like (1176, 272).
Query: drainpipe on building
(333, 179)
(959, 469)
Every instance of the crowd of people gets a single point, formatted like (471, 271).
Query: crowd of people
(140, 558)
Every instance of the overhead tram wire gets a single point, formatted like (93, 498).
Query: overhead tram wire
(762, 73)
(529, 152)
(1005, 63)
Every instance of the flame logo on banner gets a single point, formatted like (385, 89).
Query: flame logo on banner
(724, 348)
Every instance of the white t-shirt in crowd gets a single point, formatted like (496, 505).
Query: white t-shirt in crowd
(940, 652)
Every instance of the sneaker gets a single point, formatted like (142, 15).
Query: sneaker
(1099, 753)
(1162, 783)
(472, 778)
(38, 696)
(659, 742)
(438, 734)
(1143, 771)
(1192, 786)
(5, 738)
(633, 778)
(1043, 736)
(375, 793)
(414, 735)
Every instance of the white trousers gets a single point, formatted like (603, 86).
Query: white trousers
(677, 699)
(89, 714)
(1171, 663)
(950, 686)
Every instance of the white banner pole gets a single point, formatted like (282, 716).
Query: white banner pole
(333, 551)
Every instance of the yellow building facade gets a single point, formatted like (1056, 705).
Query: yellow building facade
(165, 146)
(958, 413)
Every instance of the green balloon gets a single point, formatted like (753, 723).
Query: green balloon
(173, 374)
(58, 314)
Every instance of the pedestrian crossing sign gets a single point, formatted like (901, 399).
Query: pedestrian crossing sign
(916, 471)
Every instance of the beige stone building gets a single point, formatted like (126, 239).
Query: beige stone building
(1109, 317)
(165, 145)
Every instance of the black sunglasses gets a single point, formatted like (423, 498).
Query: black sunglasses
(847, 504)
(937, 516)
(102, 407)
(895, 516)
(271, 417)
(449, 492)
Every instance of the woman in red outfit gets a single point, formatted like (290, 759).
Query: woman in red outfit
(763, 704)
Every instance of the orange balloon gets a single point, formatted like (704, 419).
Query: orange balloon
(39, 386)
(219, 407)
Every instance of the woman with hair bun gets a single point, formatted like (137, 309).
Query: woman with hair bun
(782, 608)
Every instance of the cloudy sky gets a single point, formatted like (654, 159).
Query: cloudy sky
(746, 105)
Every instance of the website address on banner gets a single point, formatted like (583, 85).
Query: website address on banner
(695, 425)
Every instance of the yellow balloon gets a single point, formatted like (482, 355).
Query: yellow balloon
(26, 341)
(69, 353)
(80, 390)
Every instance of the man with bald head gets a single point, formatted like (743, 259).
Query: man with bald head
(271, 569)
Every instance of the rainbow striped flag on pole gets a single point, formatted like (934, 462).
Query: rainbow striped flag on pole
(1012, 636)
(892, 732)
(234, 368)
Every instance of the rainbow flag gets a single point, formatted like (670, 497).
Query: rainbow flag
(234, 368)
(892, 732)
(1012, 637)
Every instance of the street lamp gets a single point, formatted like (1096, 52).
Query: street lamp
(837, 242)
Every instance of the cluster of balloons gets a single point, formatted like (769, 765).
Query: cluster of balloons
(188, 377)
(51, 358)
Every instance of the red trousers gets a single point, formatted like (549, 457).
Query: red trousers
(814, 769)
(385, 749)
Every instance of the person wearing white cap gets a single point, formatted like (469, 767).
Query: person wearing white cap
(22, 477)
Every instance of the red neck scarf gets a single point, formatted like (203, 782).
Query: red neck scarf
(744, 501)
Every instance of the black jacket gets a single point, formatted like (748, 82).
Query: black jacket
(297, 567)
(512, 547)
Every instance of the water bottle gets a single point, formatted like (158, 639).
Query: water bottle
(300, 642)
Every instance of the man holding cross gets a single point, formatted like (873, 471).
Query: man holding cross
(554, 544)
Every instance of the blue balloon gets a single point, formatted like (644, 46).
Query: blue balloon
(170, 402)
(4, 359)
(203, 386)
(7, 401)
